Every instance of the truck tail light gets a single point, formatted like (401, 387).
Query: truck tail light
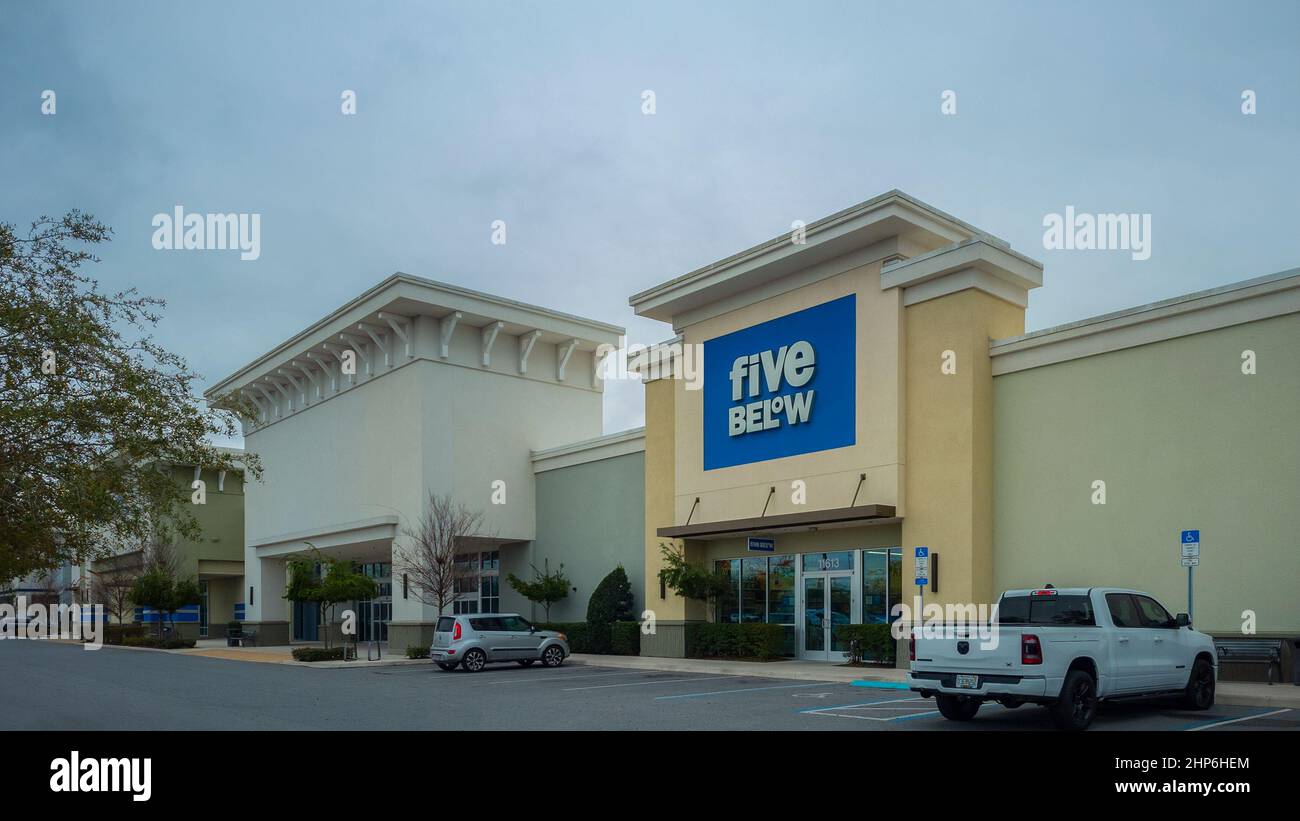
(1031, 651)
(455, 632)
(911, 648)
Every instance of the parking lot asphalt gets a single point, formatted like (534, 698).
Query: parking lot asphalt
(47, 686)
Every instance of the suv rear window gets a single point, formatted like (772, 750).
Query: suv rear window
(446, 624)
(1071, 610)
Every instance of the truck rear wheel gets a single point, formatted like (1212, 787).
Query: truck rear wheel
(1077, 706)
(957, 708)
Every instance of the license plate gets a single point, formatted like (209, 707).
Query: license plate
(968, 682)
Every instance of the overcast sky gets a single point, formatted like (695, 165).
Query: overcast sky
(531, 113)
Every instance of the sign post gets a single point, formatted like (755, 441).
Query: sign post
(1190, 542)
(922, 579)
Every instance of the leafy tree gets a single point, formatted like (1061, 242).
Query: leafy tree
(339, 582)
(86, 411)
(161, 589)
(545, 589)
(688, 580)
(611, 601)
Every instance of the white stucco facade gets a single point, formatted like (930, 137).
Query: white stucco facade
(452, 393)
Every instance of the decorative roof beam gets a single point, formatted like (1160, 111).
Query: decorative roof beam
(526, 343)
(489, 337)
(328, 367)
(401, 326)
(562, 354)
(271, 400)
(300, 386)
(378, 339)
(359, 346)
(280, 388)
(446, 327)
(338, 354)
(320, 394)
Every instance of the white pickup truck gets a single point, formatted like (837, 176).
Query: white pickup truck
(1067, 649)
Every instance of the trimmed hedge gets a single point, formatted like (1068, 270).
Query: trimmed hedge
(578, 633)
(621, 638)
(746, 640)
(875, 640)
(625, 638)
(317, 654)
(413, 652)
(157, 643)
(118, 633)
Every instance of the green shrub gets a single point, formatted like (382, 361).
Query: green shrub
(578, 634)
(174, 643)
(611, 601)
(417, 652)
(874, 642)
(318, 654)
(118, 633)
(746, 640)
(625, 638)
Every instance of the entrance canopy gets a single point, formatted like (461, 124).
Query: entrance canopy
(837, 517)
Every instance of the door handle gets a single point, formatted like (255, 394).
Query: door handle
(1159, 640)
(1123, 641)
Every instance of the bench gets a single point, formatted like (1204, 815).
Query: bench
(1252, 651)
(241, 638)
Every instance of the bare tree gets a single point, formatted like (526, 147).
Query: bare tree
(111, 587)
(429, 560)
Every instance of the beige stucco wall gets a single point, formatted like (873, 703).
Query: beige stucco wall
(832, 475)
(1183, 440)
(949, 432)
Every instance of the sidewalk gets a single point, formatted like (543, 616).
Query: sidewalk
(1238, 693)
(784, 668)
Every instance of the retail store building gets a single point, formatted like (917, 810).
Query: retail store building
(862, 390)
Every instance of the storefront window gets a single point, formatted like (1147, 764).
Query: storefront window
(895, 581)
(875, 586)
(729, 604)
(753, 590)
(780, 590)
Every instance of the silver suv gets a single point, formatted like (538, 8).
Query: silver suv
(476, 640)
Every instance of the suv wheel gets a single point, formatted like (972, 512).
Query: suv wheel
(1077, 706)
(1200, 687)
(957, 708)
(552, 656)
(475, 660)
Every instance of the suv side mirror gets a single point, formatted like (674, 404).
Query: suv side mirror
(1183, 620)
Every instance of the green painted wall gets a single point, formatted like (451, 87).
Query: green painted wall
(222, 520)
(591, 517)
(1183, 439)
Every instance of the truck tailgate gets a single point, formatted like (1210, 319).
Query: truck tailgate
(965, 652)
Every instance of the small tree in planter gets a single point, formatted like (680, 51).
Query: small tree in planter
(160, 588)
(339, 583)
(545, 589)
(688, 580)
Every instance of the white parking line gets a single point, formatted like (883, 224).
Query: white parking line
(1235, 720)
(545, 677)
(910, 710)
(741, 690)
(644, 683)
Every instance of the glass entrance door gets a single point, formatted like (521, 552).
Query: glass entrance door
(827, 607)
